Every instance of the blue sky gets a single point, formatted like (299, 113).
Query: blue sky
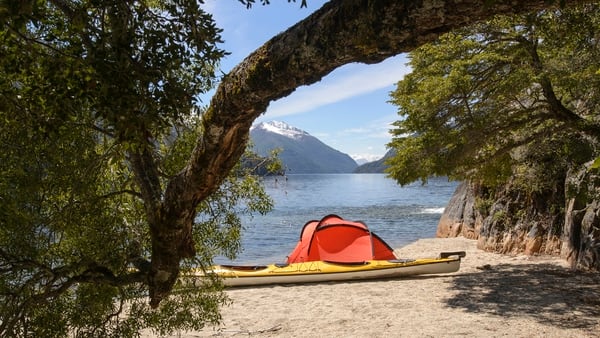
(347, 109)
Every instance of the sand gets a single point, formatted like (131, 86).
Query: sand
(491, 295)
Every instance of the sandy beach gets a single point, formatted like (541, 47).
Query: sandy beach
(491, 296)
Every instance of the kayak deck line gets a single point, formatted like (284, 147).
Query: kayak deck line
(323, 271)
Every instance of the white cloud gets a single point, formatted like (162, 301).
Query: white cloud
(345, 83)
(376, 129)
(366, 142)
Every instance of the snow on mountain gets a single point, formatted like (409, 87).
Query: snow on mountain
(362, 159)
(301, 153)
(281, 128)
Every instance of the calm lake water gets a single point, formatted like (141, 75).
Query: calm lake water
(399, 215)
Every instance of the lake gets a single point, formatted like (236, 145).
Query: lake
(399, 215)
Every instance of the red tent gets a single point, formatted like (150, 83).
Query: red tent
(337, 240)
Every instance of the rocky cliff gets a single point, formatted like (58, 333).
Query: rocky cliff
(563, 219)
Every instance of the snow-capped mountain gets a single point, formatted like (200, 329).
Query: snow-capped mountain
(361, 159)
(378, 166)
(281, 128)
(301, 153)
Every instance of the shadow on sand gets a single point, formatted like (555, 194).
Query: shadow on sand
(543, 292)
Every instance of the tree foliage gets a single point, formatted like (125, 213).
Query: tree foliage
(97, 104)
(521, 89)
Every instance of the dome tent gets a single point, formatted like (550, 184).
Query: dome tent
(334, 239)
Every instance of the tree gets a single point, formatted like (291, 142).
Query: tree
(511, 90)
(101, 88)
(98, 112)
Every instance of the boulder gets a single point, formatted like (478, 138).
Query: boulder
(460, 217)
(505, 220)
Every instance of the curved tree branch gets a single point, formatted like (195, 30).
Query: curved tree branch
(341, 32)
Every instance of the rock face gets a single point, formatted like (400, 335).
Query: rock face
(509, 220)
(460, 217)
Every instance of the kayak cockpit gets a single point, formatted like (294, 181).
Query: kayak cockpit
(244, 267)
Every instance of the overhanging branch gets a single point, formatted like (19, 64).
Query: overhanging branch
(341, 32)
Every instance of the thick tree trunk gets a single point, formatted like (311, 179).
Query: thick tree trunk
(581, 233)
(341, 32)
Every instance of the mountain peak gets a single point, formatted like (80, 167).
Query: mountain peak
(281, 128)
(301, 153)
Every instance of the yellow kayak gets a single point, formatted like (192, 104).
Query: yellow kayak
(324, 271)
